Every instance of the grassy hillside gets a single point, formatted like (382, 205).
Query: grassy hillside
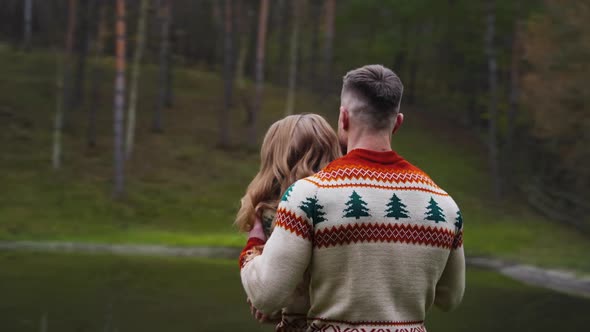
(182, 190)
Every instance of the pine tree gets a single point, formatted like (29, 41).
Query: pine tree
(459, 220)
(396, 209)
(434, 213)
(313, 210)
(356, 207)
(287, 193)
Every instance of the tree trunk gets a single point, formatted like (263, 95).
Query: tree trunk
(402, 53)
(316, 14)
(43, 323)
(492, 106)
(86, 9)
(163, 74)
(281, 24)
(228, 79)
(297, 6)
(169, 92)
(244, 23)
(329, 43)
(217, 18)
(139, 47)
(260, 53)
(96, 74)
(411, 89)
(63, 70)
(514, 97)
(28, 21)
(119, 109)
(67, 81)
(172, 39)
(58, 122)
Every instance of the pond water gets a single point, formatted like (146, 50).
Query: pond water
(65, 292)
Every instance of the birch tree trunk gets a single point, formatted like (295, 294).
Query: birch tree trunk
(329, 42)
(139, 47)
(228, 79)
(163, 74)
(119, 109)
(260, 53)
(294, 50)
(492, 106)
(28, 22)
(96, 74)
(64, 73)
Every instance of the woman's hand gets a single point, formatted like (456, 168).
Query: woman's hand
(257, 230)
(274, 318)
(255, 245)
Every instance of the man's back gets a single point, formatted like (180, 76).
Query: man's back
(381, 243)
(381, 240)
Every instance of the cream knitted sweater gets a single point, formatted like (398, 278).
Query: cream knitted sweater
(381, 240)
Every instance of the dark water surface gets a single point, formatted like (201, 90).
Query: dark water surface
(104, 293)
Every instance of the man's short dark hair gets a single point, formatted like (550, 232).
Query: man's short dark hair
(375, 93)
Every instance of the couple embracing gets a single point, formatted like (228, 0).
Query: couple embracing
(360, 242)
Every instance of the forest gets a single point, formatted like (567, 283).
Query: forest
(139, 122)
(483, 65)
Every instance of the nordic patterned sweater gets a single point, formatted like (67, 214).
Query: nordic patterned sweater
(382, 242)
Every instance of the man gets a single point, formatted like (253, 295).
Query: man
(382, 242)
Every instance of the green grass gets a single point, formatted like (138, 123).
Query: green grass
(80, 292)
(182, 190)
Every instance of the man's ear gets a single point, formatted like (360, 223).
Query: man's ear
(344, 118)
(399, 119)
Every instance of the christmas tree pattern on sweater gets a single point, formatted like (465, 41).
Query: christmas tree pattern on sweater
(396, 209)
(434, 212)
(356, 207)
(313, 210)
(287, 193)
(459, 220)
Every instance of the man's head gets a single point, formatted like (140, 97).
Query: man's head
(370, 102)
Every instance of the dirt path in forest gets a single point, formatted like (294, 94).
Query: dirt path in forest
(558, 280)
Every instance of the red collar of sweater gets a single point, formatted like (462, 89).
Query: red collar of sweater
(389, 160)
(384, 158)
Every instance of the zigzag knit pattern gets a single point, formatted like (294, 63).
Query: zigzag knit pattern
(370, 173)
(293, 223)
(404, 233)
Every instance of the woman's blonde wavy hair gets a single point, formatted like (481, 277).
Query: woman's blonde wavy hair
(293, 148)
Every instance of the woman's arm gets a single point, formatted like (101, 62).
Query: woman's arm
(271, 278)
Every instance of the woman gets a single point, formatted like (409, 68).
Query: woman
(293, 148)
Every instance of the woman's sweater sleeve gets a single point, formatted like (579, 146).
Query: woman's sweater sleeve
(271, 278)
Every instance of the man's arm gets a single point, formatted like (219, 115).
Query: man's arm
(451, 285)
(271, 278)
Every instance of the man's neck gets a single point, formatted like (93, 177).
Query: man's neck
(379, 143)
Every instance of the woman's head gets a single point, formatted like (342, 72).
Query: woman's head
(293, 148)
